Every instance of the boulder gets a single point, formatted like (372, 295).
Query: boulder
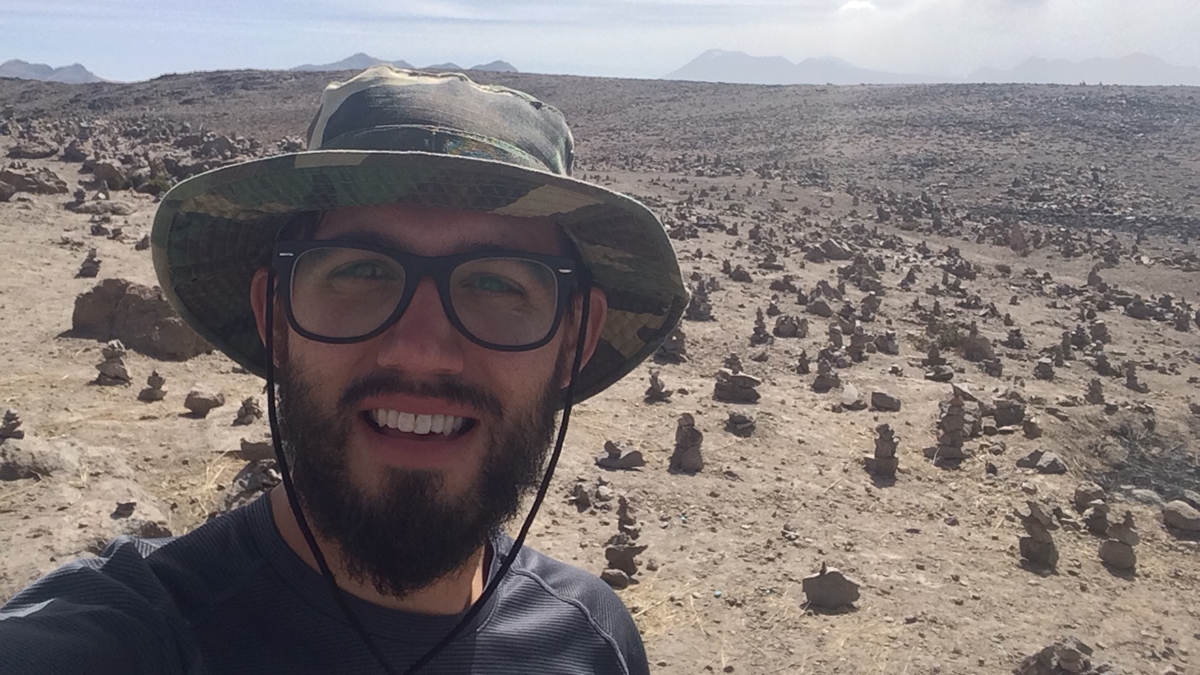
(1181, 516)
(139, 316)
(830, 589)
(32, 457)
(202, 399)
(32, 150)
(884, 402)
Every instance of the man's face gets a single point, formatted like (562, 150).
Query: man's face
(408, 507)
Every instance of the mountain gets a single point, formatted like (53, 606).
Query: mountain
(1135, 69)
(717, 65)
(72, 74)
(496, 67)
(361, 61)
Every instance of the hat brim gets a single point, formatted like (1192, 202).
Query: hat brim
(212, 231)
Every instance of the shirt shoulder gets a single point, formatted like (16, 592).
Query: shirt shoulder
(129, 610)
(547, 587)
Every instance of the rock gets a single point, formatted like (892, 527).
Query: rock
(1007, 412)
(1145, 496)
(830, 589)
(250, 483)
(1069, 656)
(1177, 514)
(620, 455)
(978, 348)
(1190, 496)
(32, 150)
(740, 424)
(139, 316)
(37, 181)
(1118, 555)
(1043, 462)
(112, 173)
(202, 399)
(884, 402)
(7, 191)
(788, 326)
(733, 387)
(1086, 493)
(850, 398)
(615, 578)
(657, 392)
(686, 457)
(257, 448)
(33, 457)
(820, 308)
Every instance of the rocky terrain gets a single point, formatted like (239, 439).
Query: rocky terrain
(933, 408)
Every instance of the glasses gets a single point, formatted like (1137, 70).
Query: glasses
(340, 293)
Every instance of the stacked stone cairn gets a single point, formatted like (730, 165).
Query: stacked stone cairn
(788, 326)
(1095, 392)
(90, 267)
(936, 367)
(760, 336)
(826, 379)
(154, 390)
(740, 424)
(1044, 370)
(249, 412)
(1038, 547)
(674, 348)
(736, 387)
(887, 343)
(1131, 379)
(884, 463)
(1117, 550)
(686, 458)
(953, 427)
(802, 363)
(621, 552)
(1089, 500)
(699, 307)
(112, 369)
(10, 426)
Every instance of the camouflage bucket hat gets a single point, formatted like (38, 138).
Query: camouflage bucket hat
(394, 136)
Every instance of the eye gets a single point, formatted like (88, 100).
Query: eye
(491, 283)
(362, 269)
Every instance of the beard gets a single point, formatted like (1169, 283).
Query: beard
(404, 532)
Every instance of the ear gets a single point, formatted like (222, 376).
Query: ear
(258, 302)
(597, 314)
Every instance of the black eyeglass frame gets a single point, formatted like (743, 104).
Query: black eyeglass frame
(569, 274)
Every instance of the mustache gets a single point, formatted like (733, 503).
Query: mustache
(383, 382)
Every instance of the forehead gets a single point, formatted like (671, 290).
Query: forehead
(432, 231)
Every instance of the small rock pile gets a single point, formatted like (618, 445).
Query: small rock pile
(740, 424)
(826, 379)
(249, 413)
(657, 392)
(1117, 551)
(154, 390)
(1068, 656)
(674, 348)
(1044, 369)
(686, 457)
(1131, 379)
(112, 369)
(953, 427)
(884, 463)
(621, 552)
(620, 455)
(1038, 548)
(10, 426)
(90, 267)
(736, 387)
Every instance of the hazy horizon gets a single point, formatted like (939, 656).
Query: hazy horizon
(141, 39)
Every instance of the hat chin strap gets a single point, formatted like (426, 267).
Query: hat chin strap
(339, 595)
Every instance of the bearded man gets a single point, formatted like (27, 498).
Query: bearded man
(423, 289)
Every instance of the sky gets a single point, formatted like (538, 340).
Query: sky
(139, 39)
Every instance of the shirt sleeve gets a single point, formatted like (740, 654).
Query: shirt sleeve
(102, 616)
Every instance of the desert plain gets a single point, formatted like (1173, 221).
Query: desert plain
(1040, 240)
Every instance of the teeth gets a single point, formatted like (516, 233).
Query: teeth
(418, 424)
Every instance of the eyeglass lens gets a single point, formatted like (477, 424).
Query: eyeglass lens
(341, 293)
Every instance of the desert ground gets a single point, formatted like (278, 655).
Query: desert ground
(1039, 237)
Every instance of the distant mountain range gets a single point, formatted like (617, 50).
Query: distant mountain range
(716, 65)
(23, 70)
(361, 61)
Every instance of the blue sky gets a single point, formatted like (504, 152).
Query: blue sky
(138, 39)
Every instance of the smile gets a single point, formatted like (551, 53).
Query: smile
(421, 425)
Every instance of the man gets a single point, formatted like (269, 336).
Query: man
(423, 289)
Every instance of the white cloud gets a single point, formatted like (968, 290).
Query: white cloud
(858, 6)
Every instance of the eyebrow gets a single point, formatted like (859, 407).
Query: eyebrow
(379, 239)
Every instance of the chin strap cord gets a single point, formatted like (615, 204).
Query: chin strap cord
(289, 488)
(293, 501)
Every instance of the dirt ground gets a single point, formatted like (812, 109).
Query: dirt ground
(943, 586)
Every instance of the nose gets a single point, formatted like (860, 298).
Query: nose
(423, 341)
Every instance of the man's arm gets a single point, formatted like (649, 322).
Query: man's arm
(100, 616)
